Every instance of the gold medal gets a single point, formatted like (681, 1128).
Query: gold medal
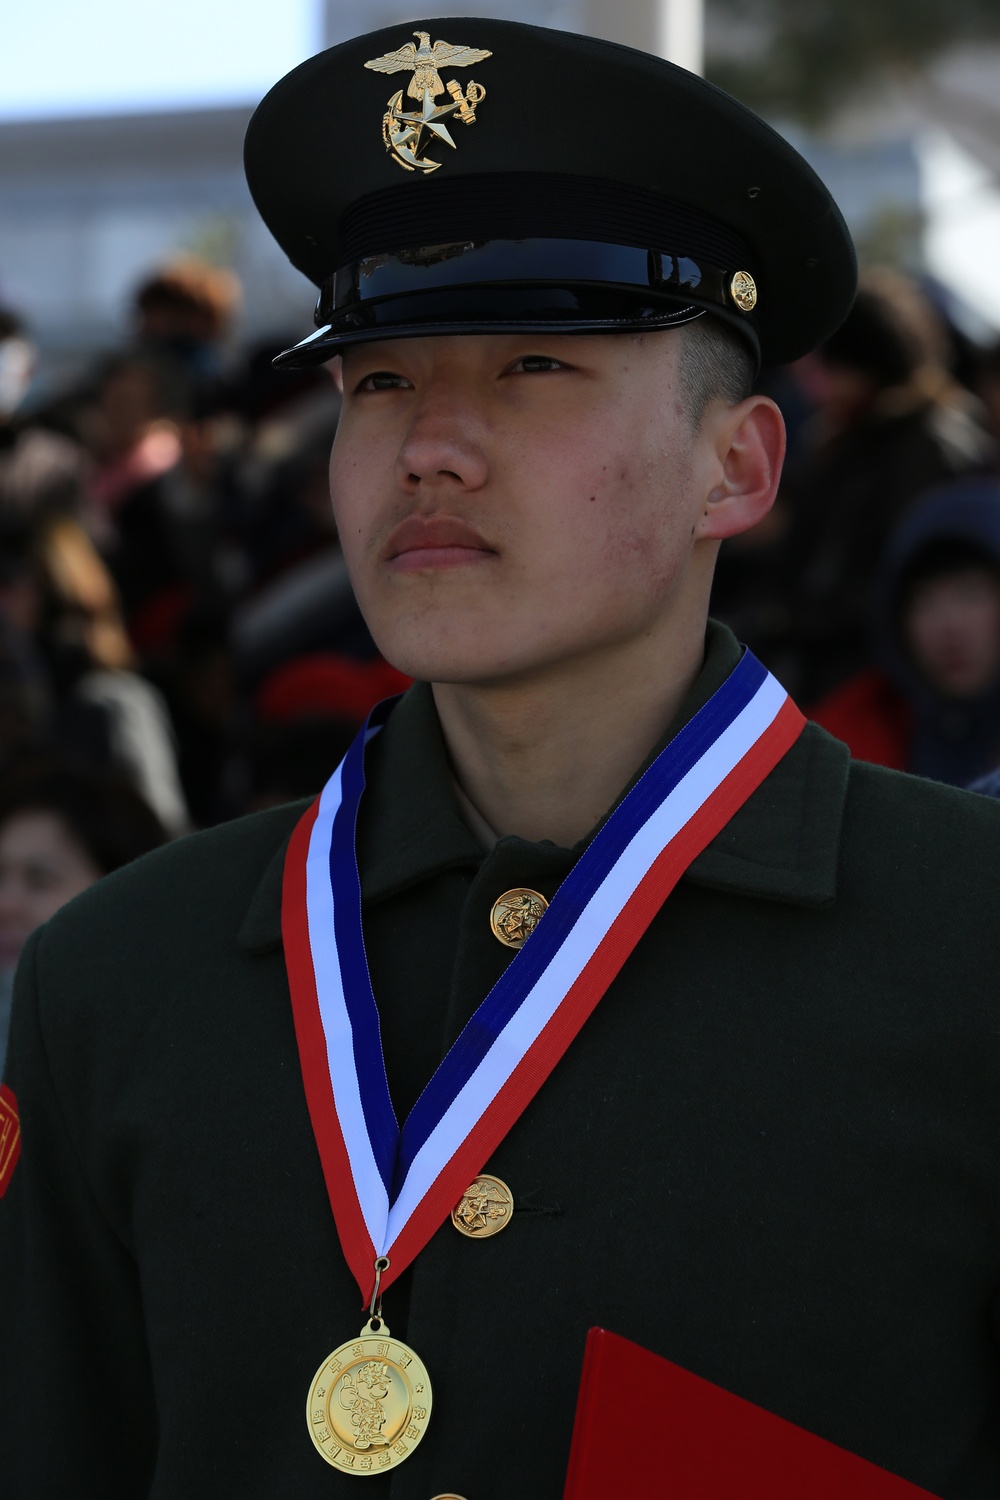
(369, 1403)
(484, 1209)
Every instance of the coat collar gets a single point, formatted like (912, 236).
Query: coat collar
(782, 845)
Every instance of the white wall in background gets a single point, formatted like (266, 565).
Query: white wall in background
(74, 57)
(961, 199)
(671, 27)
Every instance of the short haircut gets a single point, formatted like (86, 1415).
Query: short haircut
(716, 364)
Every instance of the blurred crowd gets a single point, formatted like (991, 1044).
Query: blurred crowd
(179, 643)
(873, 589)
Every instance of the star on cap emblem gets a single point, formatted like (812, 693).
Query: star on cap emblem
(402, 130)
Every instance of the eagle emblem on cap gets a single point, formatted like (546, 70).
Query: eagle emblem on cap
(403, 130)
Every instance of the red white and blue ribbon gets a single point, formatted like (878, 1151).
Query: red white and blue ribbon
(391, 1188)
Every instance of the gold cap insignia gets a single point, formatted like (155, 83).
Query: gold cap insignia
(743, 290)
(404, 130)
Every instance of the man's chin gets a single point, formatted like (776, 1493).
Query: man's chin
(457, 671)
(465, 663)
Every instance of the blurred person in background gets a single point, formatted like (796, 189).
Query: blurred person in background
(932, 706)
(60, 831)
(130, 428)
(290, 419)
(890, 421)
(987, 383)
(210, 715)
(39, 470)
(294, 519)
(26, 699)
(107, 715)
(185, 310)
(174, 534)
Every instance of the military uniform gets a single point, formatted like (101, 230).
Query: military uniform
(771, 1154)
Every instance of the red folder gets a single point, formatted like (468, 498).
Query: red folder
(645, 1427)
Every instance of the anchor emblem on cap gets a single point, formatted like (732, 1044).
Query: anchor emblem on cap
(403, 130)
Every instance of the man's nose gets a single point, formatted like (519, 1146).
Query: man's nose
(443, 445)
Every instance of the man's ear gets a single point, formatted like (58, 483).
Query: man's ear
(749, 443)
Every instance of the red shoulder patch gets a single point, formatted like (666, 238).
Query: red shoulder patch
(10, 1136)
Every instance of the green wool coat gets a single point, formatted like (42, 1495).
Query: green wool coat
(771, 1155)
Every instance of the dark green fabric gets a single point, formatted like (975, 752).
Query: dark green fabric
(772, 1154)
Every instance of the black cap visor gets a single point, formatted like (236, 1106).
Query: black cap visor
(516, 286)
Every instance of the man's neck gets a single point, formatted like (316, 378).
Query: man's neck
(547, 757)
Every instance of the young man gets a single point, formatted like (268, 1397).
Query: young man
(752, 1127)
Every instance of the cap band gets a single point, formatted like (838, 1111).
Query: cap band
(515, 308)
(532, 205)
(538, 262)
(559, 285)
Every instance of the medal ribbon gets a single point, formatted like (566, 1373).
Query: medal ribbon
(390, 1189)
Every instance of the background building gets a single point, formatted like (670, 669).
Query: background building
(88, 206)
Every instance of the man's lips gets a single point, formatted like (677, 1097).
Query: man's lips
(434, 542)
